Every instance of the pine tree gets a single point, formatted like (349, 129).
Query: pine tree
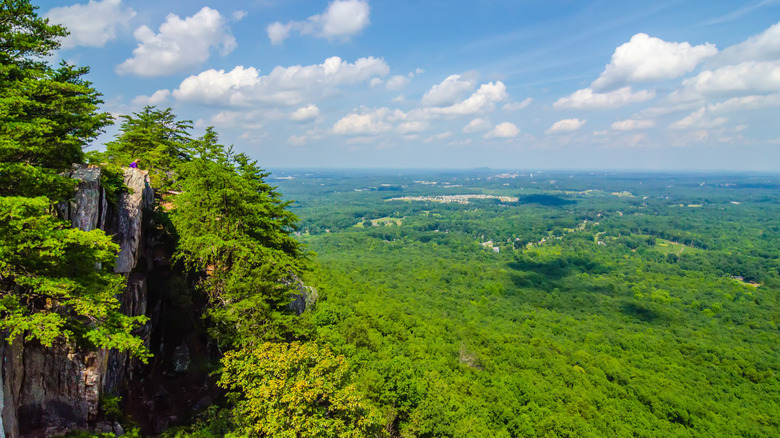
(56, 282)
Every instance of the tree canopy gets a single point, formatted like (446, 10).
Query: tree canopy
(56, 282)
(235, 228)
(157, 139)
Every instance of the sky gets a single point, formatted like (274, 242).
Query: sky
(552, 84)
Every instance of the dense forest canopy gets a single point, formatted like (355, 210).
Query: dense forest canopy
(643, 305)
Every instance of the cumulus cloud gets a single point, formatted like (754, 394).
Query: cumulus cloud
(239, 15)
(104, 18)
(632, 125)
(157, 98)
(308, 112)
(481, 100)
(751, 102)
(477, 125)
(278, 32)
(341, 20)
(698, 120)
(363, 122)
(282, 86)
(179, 44)
(440, 136)
(504, 130)
(397, 82)
(588, 99)
(566, 125)
(750, 77)
(646, 58)
(449, 91)
(762, 47)
(516, 106)
(414, 126)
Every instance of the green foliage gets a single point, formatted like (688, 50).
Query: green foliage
(130, 433)
(57, 282)
(157, 140)
(235, 228)
(293, 390)
(587, 327)
(48, 114)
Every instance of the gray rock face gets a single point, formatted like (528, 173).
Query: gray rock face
(45, 391)
(303, 298)
(131, 207)
(89, 202)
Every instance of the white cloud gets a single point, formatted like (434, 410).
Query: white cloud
(297, 140)
(340, 21)
(632, 125)
(375, 82)
(157, 98)
(698, 120)
(476, 125)
(449, 91)
(587, 99)
(96, 30)
(762, 47)
(179, 45)
(305, 113)
(363, 122)
(636, 139)
(415, 126)
(566, 125)
(440, 136)
(515, 106)
(481, 100)
(283, 86)
(504, 130)
(746, 103)
(239, 15)
(646, 58)
(750, 77)
(397, 82)
(278, 32)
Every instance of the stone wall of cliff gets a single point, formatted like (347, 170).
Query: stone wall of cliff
(46, 391)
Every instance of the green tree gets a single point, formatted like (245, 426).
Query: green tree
(294, 390)
(157, 139)
(235, 228)
(48, 115)
(56, 282)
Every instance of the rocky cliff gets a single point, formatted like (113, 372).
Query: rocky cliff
(50, 391)
(46, 391)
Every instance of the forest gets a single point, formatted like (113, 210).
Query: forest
(608, 304)
(460, 303)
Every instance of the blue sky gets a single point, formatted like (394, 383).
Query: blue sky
(675, 85)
